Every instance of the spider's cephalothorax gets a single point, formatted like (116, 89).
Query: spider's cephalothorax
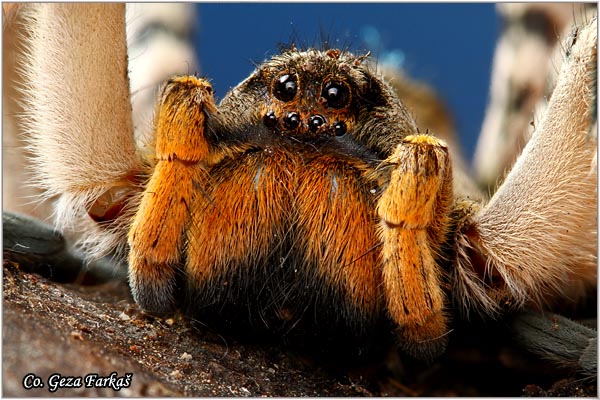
(316, 97)
(306, 195)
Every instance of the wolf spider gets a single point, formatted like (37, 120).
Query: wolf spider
(309, 194)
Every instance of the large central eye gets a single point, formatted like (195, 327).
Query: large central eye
(337, 94)
(285, 87)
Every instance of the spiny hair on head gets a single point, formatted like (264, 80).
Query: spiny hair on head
(322, 42)
(325, 39)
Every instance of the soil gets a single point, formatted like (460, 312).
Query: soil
(74, 330)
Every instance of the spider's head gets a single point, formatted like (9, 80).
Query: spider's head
(314, 96)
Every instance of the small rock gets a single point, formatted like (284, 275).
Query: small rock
(135, 348)
(176, 374)
(76, 335)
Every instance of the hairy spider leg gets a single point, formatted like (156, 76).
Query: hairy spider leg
(157, 236)
(414, 221)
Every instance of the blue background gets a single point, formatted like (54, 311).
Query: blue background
(448, 45)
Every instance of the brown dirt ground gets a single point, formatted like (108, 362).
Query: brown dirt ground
(76, 330)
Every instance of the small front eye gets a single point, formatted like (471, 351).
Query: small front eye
(315, 122)
(270, 119)
(340, 128)
(336, 94)
(291, 120)
(285, 87)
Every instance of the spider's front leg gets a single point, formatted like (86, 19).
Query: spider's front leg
(414, 214)
(156, 238)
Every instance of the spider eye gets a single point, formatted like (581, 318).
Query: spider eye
(315, 122)
(339, 128)
(285, 87)
(270, 119)
(292, 120)
(336, 94)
